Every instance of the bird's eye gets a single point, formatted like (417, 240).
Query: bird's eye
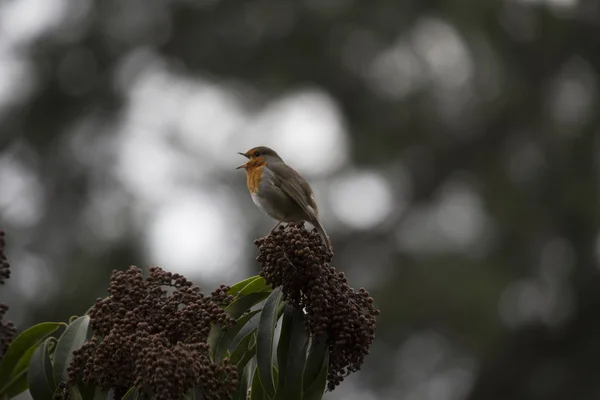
(256, 153)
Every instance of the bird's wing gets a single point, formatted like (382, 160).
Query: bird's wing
(295, 187)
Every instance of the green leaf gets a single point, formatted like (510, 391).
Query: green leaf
(17, 356)
(98, 393)
(74, 393)
(72, 339)
(234, 310)
(248, 355)
(281, 309)
(241, 393)
(236, 288)
(256, 391)
(316, 389)
(244, 346)
(275, 373)
(23, 363)
(91, 392)
(291, 354)
(18, 385)
(39, 376)
(264, 341)
(244, 303)
(131, 393)
(226, 336)
(256, 286)
(316, 358)
(283, 347)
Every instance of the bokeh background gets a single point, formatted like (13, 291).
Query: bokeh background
(454, 148)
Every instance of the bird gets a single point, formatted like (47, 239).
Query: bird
(279, 191)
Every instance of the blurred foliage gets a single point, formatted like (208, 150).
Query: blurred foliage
(501, 95)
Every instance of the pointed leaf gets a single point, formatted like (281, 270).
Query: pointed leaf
(275, 373)
(248, 355)
(227, 336)
(74, 393)
(98, 394)
(72, 339)
(257, 285)
(234, 310)
(317, 388)
(264, 341)
(241, 393)
(18, 385)
(256, 391)
(91, 392)
(243, 347)
(130, 394)
(283, 347)
(18, 354)
(18, 381)
(236, 288)
(244, 303)
(39, 376)
(292, 350)
(316, 356)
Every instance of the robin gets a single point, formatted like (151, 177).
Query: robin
(279, 191)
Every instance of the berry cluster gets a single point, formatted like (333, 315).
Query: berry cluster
(155, 339)
(4, 265)
(296, 260)
(7, 329)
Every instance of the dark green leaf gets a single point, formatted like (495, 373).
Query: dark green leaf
(283, 347)
(281, 309)
(316, 356)
(256, 391)
(72, 339)
(244, 303)
(39, 376)
(234, 310)
(275, 373)
(74, 393)
(18, 385)
(23, 363)
(19, 352)
(236, 288)
(292, 350)
(227, 336)
(241, 392)
(316, 389)
(244, 346)
(131, 393)
(257, 285)
(91, 392)
(99, 394)
(264, 341)
(248, 355)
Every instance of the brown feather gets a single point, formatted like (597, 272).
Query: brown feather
(300, 192)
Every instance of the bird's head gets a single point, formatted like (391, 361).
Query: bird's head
(258, 156)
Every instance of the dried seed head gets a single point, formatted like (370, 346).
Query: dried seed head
(296, 260)
(7, 329)
(156, 340)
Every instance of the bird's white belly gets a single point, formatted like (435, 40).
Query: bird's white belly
(266, 207)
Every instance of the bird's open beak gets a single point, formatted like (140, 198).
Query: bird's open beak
(243, 165)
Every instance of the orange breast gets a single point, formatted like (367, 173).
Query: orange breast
(254, 174)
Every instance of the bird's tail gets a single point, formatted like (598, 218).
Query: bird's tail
(322, 232)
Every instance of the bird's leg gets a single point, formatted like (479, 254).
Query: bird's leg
(275, 227)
